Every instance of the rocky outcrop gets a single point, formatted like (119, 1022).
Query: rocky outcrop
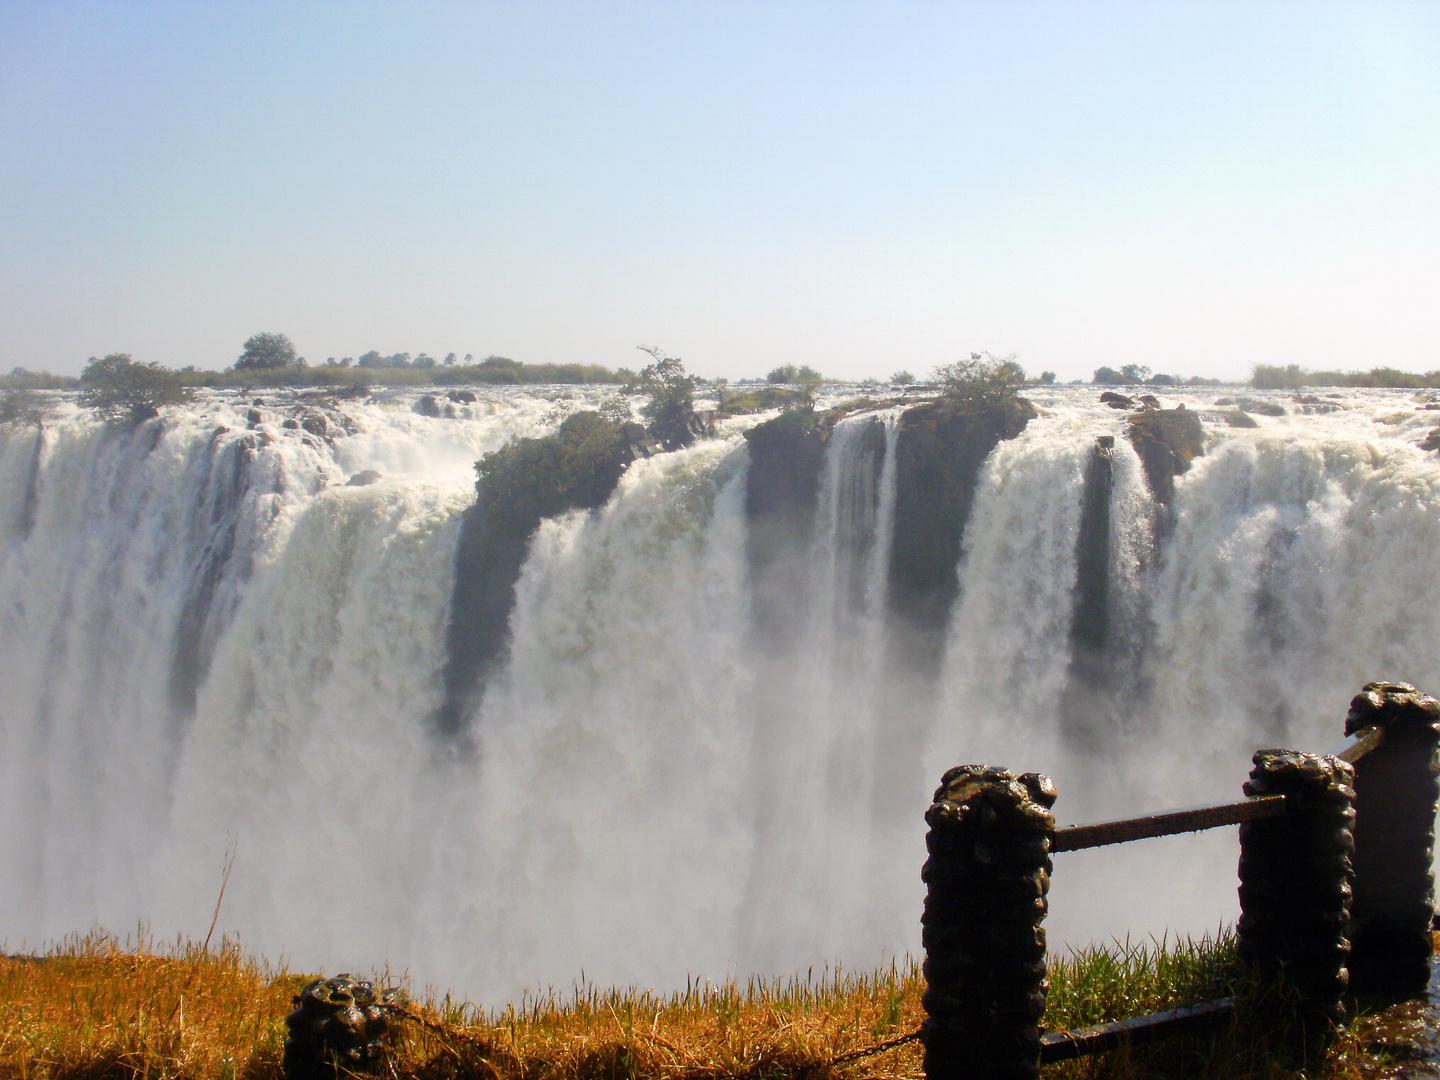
(1166, 440)
(1260, 406)
(938, 457)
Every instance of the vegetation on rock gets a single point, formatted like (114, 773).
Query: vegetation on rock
(517, 487)
(123, 391)
(671, 408)
(531, 479)
(764, 397)
(981, 384)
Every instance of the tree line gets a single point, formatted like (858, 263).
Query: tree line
(121, 389)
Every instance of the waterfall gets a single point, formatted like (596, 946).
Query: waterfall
(209, 641)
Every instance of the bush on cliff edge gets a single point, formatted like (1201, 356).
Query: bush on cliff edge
(981, 384)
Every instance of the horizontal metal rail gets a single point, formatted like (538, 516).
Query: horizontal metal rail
(1356, 746)
(1067, 1045)
(1166, 823)
(1194, 819)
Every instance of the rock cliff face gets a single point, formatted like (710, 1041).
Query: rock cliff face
(518, 486)
(938, 458)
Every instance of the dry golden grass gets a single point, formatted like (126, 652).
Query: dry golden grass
(94, 1008)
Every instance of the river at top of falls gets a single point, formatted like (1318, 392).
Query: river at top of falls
(208, 641)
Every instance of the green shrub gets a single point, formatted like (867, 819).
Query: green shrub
(123, 391)
(982, 383)
(672, 399)
(530, 479)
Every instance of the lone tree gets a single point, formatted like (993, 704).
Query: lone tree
(267, 351)
(672, 398)
(123, 391)
(25, 407)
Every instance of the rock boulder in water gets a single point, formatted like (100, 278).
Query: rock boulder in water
(1166, 440)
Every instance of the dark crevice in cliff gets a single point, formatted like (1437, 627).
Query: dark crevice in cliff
(212, 528)
(32, 485)
(781, 492)
(1082, 706)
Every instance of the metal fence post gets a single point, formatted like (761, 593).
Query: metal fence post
(987, 877)
(1294, 882)
(1396, 791)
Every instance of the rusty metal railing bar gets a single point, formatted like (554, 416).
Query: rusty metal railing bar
(1067, 1045)
(1166, 823)
(1353, 747)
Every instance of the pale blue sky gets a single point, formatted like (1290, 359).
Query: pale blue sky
(1195, 187)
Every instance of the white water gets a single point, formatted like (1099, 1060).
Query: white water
(656, 790)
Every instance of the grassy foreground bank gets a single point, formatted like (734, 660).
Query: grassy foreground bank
(94, 1007)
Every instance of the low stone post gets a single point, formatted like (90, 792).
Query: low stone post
(987, 877)
(1294, 883)
(339, 1027)
(1396, 790)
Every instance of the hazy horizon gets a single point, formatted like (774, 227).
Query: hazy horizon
(1196, 188)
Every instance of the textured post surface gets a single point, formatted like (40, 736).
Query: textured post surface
(1395, 801)
(338, 1026)
(1294, 881)
(986, 877)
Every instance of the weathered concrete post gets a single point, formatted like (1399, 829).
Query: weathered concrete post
(1294, 882)
(1396, 790)
(339, 1027)
(987, 876)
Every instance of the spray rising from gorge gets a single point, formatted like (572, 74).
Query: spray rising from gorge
(723, 696)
